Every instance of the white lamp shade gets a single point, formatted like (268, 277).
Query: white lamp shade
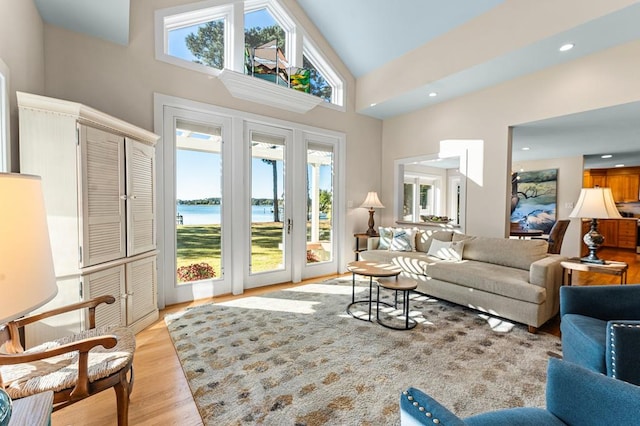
(27, 276)
(596, 203)
(372, 201)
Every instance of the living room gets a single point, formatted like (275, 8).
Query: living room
(121, 80)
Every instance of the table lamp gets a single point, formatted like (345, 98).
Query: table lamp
(372, 202)
(595, 203)
(27, 276)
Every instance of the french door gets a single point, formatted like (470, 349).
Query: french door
(269, 207)
(197, 205)
(247, 201)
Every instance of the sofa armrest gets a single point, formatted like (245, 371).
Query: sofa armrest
(372, 243)
(623, 350)
(605, 302)
(547, 272)
(418, 408)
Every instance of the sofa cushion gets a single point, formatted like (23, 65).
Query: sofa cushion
(403, 239)
(412, 262)
(386, 234)
(425, 236)
(503, 251)
(446, 250)
(488, 277)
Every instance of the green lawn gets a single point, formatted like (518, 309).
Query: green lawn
(201, 243)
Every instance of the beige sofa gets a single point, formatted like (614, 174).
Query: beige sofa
(512, 279)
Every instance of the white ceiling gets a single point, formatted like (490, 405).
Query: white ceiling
(367, 34)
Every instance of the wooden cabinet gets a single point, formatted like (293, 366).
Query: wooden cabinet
(593, 178)
(624, 187)
(624, 182)
(620, 233)
(98, 178)
(627, 233)
(609, 230)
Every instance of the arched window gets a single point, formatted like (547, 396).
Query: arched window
(258, 38)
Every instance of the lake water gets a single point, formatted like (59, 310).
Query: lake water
(210, 214)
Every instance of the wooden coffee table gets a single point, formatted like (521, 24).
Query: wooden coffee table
(372, 270)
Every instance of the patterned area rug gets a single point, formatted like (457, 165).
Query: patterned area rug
(294, 357)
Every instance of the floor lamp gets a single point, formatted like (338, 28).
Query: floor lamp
(372, 202)
(595, 203)
(27, 276)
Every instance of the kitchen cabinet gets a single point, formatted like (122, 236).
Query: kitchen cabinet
(624, 187)
(98, 178)
(619, 233)
(624, 182)
(627, 233)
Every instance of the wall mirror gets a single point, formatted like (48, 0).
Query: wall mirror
(430, 191)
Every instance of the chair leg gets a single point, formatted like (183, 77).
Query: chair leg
(130, 380)
(122, 399)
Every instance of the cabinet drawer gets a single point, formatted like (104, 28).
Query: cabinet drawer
(626, 242)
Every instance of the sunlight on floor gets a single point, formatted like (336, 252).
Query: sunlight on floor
(273, 304)
(326, 289)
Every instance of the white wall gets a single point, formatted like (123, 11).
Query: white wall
(570, 171)
(601, 80)
(22, 50)
(121, 80)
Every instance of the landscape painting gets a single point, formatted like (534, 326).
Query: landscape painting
(533, 199)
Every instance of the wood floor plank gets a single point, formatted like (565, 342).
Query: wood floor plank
(161, 394)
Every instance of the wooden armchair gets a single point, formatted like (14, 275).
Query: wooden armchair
(74, 367)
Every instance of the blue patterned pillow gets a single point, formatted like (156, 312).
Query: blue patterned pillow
(401, 240)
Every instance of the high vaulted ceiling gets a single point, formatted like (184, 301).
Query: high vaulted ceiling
(415, 47)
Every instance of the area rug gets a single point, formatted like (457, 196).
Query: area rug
(295, 357)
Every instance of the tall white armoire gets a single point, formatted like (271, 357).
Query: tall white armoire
(98, 178)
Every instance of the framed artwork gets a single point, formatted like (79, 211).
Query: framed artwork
(534, 198)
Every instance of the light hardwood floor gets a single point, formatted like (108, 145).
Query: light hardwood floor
(161, 394)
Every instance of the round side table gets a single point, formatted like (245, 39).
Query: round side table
(405, 285)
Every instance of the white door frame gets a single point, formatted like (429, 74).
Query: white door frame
(235, 273)
(221, 284)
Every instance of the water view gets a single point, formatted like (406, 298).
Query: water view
(210, 214)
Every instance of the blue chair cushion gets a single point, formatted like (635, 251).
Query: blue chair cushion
(584, 341)
(523, 416)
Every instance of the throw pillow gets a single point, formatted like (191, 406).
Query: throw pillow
(446, 250)
(401, 240)
(386, 235)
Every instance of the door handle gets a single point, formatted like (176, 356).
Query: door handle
(289, 223)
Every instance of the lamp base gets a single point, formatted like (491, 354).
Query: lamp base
(371, 232)
(589, 259)
(593, 239)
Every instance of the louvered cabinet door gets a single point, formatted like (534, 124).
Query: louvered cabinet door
(141, 208)
(141, 288)
(108, 282)
(102, 209)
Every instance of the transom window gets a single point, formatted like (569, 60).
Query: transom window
(206, 37)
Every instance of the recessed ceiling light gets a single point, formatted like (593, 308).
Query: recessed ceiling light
(566, 47)
(619, 165)
(606, 156)
(525, 148)
(373, 104)
(433, 94)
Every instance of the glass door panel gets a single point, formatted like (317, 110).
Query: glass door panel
(270, 225)
(319, 203)
(199, 201)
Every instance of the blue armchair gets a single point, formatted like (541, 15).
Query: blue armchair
(575, 396)
(600, 328)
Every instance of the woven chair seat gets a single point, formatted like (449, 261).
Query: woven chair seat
(61, 372)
